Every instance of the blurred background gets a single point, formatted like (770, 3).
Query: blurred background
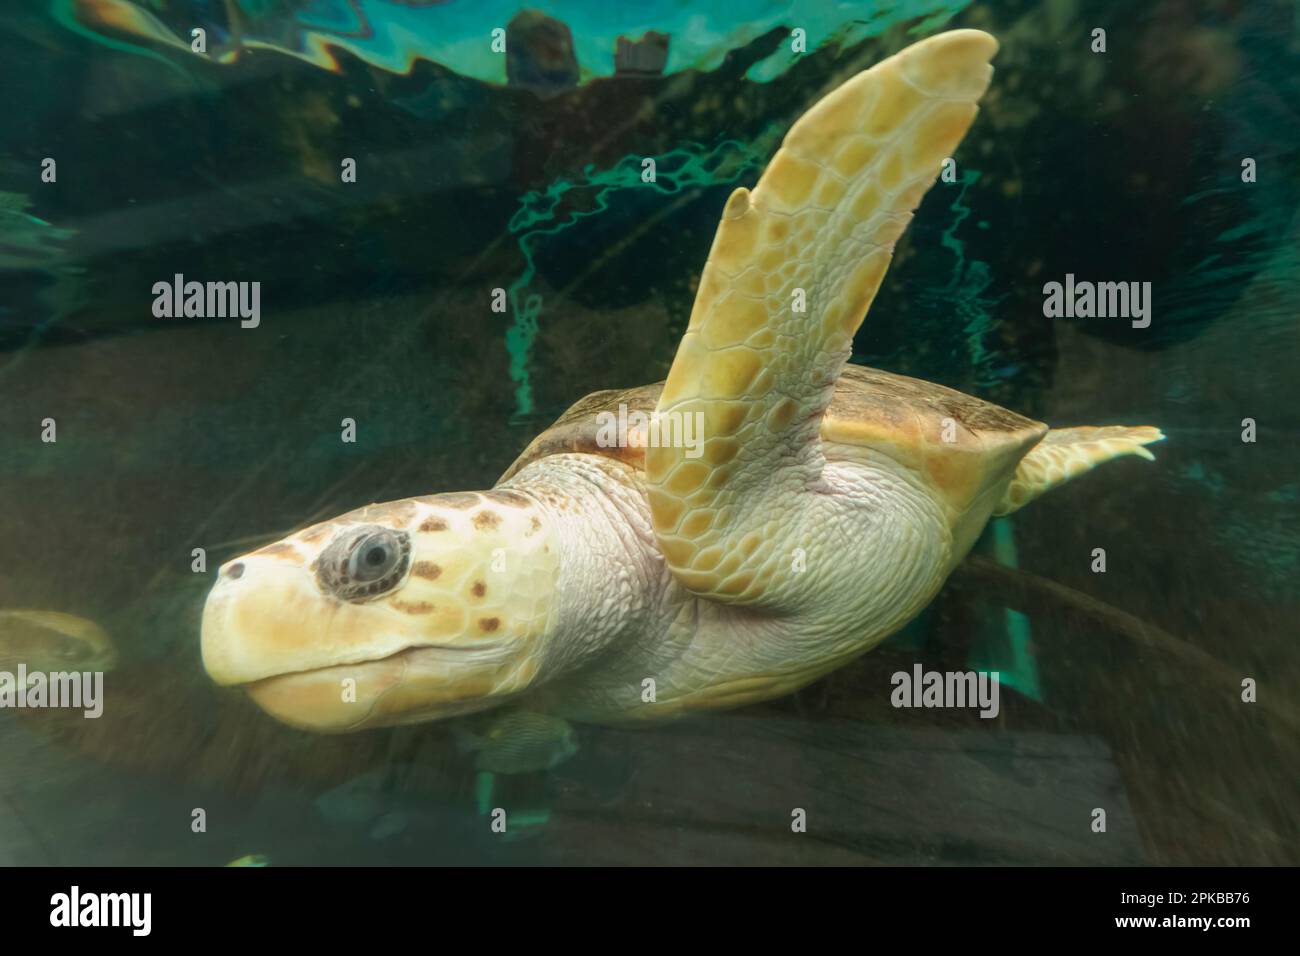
(477, 170)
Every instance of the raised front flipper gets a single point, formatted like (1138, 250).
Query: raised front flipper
(793, 268)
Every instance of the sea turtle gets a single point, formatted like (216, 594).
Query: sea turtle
(822, 509)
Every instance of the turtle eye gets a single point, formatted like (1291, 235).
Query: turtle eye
(364, 563)
(373, 557)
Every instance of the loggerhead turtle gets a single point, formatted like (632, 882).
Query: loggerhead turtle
(824, 509)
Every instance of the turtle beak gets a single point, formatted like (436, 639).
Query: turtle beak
(321, 664)
(411, 686)
(455, 623)
(266, 616)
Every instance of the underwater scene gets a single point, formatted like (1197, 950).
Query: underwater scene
(821, 432)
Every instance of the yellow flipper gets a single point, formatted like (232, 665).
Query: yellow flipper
(793, 268)
(1066, 453)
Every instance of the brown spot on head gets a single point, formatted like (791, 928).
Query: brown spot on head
(479, 589)
(512, 498)
(315, 534)
(433, 524)
(486, 519)
(534, 526)
(426, 569)
(489, 623)
(412, 607)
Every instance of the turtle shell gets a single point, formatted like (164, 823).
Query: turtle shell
(962, 445)
(578, 429)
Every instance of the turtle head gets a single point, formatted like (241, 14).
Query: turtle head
(395, 613)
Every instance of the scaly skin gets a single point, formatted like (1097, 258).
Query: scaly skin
(893, 555)
(793, 269)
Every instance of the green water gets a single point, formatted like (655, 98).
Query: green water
(1122, 689)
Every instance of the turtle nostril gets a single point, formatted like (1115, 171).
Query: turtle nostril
(236, 570)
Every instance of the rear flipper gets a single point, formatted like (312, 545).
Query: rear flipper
(1066, 453)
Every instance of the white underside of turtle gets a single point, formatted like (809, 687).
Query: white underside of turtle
(823, 509)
